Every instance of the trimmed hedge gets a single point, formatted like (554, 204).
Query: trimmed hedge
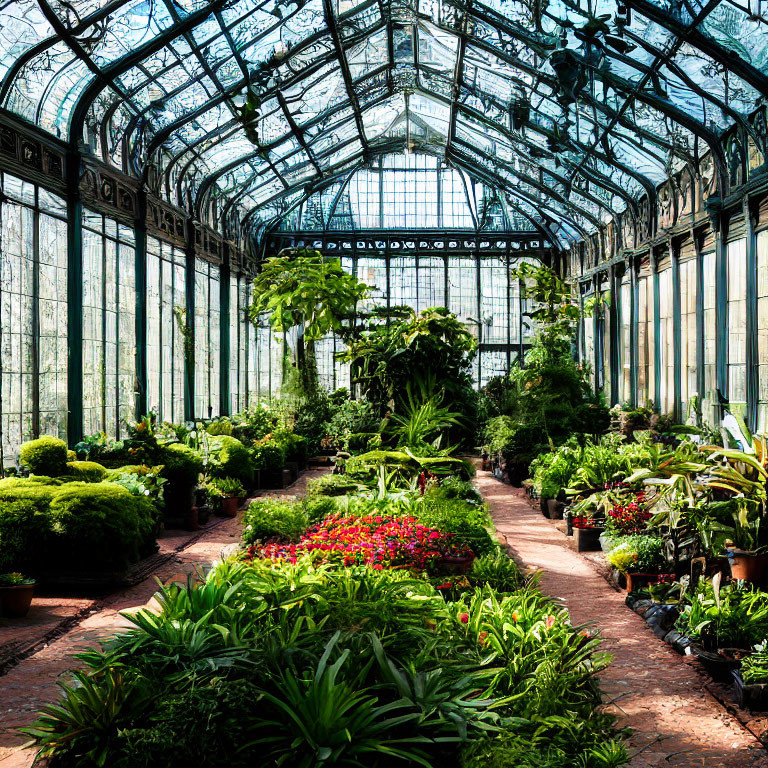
(45, 456)
(73, 526)
(230, 458)
(87, 471)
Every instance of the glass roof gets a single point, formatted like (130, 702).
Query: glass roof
(560, 113)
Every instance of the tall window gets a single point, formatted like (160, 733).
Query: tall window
(33, 315)
(737, 323)
(646, 364)
(166, 320)
(666, 343)
(207, 339)
(762, 329)
(709, 401)
(688, 335)
(239, 327)
(109, 325)
(626, 339)
(604, 340)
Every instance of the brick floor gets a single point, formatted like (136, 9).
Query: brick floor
(653, 690)
(33, 682)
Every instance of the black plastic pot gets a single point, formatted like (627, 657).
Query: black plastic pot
(587, 539)
(753, 696)
(719, 665)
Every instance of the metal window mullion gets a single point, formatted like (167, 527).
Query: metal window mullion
(752, 354)
(74, 301)
(36, 318)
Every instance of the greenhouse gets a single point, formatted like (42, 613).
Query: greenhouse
(384, 383)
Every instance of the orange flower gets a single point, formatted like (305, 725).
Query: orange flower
(549, 621)
(515, 616)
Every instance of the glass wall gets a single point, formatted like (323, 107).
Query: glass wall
(762, 330)
(207, 339)
(666, 343)
(33, 315)
(166, 329)
(708, 275)
(625, 340)
(688, 335)
(239, 326)
(109, 325)
(737, 324)
(646, 364)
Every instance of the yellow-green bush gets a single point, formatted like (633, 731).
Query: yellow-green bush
(45, 456)
(87, 471)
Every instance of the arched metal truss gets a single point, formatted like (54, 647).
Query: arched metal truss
(240, 111)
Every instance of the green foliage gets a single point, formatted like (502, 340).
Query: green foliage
(225, 487)
(318, 666)
(549, 399)
(497, 571)
(100, 526)
(87, 471)
(469, 524)
(423, 423)
(552, 472)
(268, 455)
(300, 288)
(222, 426)
(402, 468)
(331, 485)
(637, 554)
(23, 532)
(254, 423)
(754, 668)
(182, 465)
(74, 526)
(269, 519)
(228, 457)
(140, 480)
(352, 424)
(385, 356)
(44, 456)
(725, 616)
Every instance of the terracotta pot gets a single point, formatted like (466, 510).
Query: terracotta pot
(230, 505)
(747, 565)
(16, 599)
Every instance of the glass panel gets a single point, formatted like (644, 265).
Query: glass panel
(737, 324)
(709, 402)
(666, 343)
(688, 335)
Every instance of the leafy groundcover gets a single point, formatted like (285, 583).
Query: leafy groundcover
(277, 658)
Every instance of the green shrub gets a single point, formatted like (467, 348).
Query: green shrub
(228, 457)
(637, 554)
(274, 519)
(221, 426)
(455, 488)
(497, 571)
(45, 456)
(141, 480)
(182, 465)
(319, 507)
(362, 441)
(23, 533)
(331, 485)
(38, 490)
(87, 471)
(468, 523)
(99, 526)
(268, 455)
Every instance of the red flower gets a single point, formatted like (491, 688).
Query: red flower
(464, 618)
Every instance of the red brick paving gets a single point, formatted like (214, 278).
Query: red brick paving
(676, 722)
(32, 683)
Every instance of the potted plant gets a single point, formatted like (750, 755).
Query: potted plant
(586, 533)
(640, 559)
(751, 681)
(231, 493)
(16, 592)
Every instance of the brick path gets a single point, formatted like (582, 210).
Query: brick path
(677, 723)
(32, 683)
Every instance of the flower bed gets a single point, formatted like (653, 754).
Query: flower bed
(382, 542)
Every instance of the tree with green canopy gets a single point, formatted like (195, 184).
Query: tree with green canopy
(303, 290)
